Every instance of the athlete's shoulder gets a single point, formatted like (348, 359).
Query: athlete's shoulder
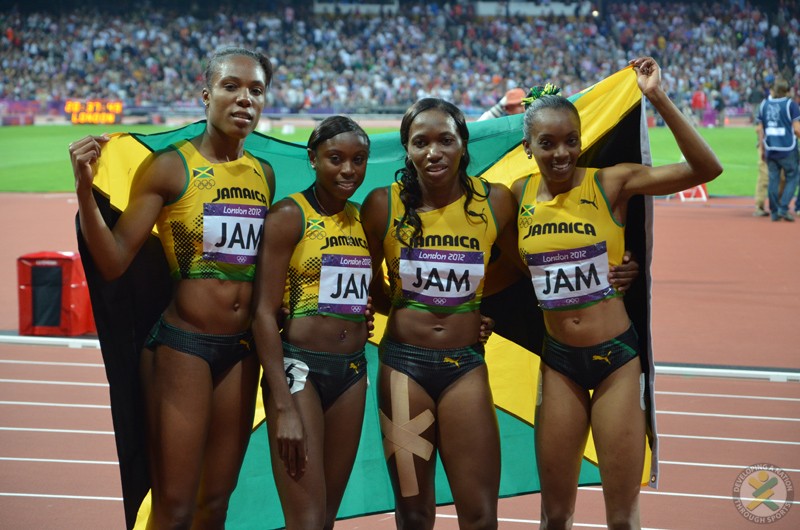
(289, 204)
(164, 171)
(377, 197)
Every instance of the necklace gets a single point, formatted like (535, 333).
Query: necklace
(319, 203)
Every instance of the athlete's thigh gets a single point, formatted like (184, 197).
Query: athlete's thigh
(233, 407)
(177, 389)
(618, 428)
(562, 428)
(343, 423)
(302, 496)
(469, 443)
(408, 423)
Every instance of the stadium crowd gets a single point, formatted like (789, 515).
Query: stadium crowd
(358, 63)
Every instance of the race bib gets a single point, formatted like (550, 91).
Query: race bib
(564, 278)
(444, 278)
(296, 374)
(232, 232)
(344, 284)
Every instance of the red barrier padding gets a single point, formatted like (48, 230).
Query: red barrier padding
(53, 295)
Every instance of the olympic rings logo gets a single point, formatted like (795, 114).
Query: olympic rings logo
(440, 301)
(403, 233)
(204, 183)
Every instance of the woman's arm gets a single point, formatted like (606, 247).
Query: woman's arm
(701, 164)
(269, 176)
(283, 228)
(504, 206)
(374, 216)
(158, 179)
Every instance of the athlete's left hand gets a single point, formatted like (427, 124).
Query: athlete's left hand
(282, 316)
(648, 74)
(621, 276)
(487, 328)
(369, 315)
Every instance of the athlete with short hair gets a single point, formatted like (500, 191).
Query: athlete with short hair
(198, 371)
(571, 230)
(315, 263)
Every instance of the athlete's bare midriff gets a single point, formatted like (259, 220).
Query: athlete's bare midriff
(590, 325)
(434, 330)
(325, 334)
(211, 306)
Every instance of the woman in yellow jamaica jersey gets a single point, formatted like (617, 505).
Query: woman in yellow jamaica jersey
(199, 372)
(435, 227)
(315, 263)
(589, 340)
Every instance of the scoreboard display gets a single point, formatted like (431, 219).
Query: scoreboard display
(95, 111)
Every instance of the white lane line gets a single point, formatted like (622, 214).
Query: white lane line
(534, 521)
(730, 396)
(52, 496)
(694, 495)
(721, 466)
(60, 461)
(63, 383)
(54, 431)
(115, 463)
(781, 376)
(39, 404)
(722, 439)
(48, 363)
(729, 416)
(69, 342)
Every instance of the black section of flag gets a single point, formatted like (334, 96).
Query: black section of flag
(124, 310)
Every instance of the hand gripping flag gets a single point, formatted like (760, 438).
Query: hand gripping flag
(614, 131)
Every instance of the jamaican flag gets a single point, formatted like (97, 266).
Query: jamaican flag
(614, 131)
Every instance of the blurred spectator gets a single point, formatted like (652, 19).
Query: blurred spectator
(762, 183)
(509, 104)
(362, 63)
(699, 104)
(778, 128)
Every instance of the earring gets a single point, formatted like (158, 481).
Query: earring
(530, 155)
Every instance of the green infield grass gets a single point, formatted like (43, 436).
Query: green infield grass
(35, 158)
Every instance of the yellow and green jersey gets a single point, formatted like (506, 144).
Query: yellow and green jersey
(569, 243)
(443, 270)
(330, 269)
(213, 229)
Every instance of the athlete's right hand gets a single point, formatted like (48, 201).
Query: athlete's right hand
(486, 329)
(84, 154)
(291, 440)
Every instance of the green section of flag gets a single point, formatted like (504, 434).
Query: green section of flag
(489, 141)
(615, 135)
(255, 502)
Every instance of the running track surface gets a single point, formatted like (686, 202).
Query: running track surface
(725, 293)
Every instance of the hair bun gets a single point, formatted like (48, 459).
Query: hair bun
(539, 91)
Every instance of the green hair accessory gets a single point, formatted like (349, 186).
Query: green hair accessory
(538, 91)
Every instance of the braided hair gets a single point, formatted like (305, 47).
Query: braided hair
(410, 189)
(544, 97)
